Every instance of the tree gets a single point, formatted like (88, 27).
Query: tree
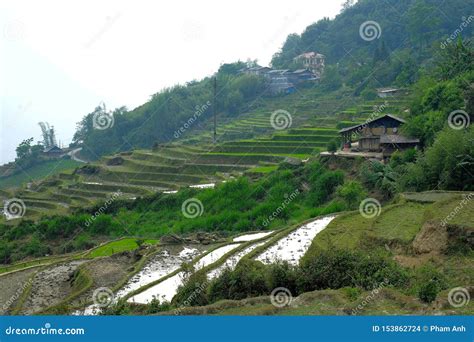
(24, 148)
(332, 146)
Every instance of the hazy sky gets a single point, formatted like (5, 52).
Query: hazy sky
(59, 59)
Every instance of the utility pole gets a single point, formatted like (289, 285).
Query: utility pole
(214, 110)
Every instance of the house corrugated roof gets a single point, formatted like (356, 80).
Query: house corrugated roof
(347, 129)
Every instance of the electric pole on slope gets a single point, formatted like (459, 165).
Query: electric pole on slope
(214, 110)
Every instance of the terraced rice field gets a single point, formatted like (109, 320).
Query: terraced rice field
(247, 143)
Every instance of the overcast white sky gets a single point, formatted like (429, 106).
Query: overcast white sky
(59, 59)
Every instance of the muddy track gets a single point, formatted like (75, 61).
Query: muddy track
(12, 286)
(106, 272)
(50, 286)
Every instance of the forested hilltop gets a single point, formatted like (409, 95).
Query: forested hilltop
(411, 33)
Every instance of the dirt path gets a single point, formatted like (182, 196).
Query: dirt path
(12, 286)
(50, 286)
(106, 272)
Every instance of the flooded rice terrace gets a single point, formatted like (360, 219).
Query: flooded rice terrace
(293, 246)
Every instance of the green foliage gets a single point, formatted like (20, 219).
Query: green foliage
(323, 184)
(447, 164)
(332, 146)
(193, 291)
(428, 282)
(376, 175)
(246, 280)
(428, 292)
(352, 193)
(333, 269)
(235, 206)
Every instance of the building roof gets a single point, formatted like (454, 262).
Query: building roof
(347, 129)
(52, 149)
(278, 71)
(311, 54)
(301, 71)
(397, 139)
(387, 90)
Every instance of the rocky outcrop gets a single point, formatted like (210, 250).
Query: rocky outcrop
(200, 237)
(115, 161)
(172, 239)
(433, 237)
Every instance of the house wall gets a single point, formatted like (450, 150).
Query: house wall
(369, 144)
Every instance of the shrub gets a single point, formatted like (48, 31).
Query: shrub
(332, 146)
(246, 280)
(193, 292)
(352, 193)
(282, 274)
(428, 291)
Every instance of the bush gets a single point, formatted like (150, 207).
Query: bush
(428, 291)
(282, 274)
(352, 193)
(323, 187)
(193, 292)
(246, 280)
(332, 146)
